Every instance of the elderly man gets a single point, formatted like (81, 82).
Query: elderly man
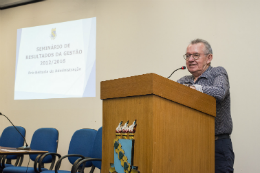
(212, 81)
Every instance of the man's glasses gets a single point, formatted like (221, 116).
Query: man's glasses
(195, 56)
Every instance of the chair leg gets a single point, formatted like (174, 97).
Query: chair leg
(92, 169)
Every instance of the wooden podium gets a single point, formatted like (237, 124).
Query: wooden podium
(175, 130)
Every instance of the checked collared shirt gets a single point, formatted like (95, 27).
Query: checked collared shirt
(214, 82)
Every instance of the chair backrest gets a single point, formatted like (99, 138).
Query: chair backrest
(45, 139)
(82, 143)
(11, 138)
(97, 149)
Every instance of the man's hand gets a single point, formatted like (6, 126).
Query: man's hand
(192, 87)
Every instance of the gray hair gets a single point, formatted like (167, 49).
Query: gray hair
(208, 49)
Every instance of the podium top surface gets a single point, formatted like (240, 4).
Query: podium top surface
(153, 84)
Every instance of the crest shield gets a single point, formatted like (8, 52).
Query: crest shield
(124, 149)
(123, 155)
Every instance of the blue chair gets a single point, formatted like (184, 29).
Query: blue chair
(96, 156)
(80, 147)
(45, 139)
(11, 138)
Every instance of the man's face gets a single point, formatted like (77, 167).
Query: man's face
(197, 67)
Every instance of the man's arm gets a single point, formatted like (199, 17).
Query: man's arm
(220, 87)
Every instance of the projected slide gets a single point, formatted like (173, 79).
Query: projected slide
(56, 61)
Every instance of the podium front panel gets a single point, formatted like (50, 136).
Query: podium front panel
(170, 137)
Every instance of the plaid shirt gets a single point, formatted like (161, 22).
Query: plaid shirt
(214, 82)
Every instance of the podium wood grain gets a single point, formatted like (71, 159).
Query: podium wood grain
(175, 124)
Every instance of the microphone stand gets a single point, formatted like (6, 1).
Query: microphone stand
(23, 147)
(182, 68)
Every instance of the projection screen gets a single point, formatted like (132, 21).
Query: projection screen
(56, 61)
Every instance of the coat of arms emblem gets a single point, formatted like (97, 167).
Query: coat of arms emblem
(53, 33)
(123, 149)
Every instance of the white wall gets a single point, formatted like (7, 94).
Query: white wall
(136, 37)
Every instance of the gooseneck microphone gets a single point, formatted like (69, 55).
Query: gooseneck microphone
(23, 147)
(182, 68)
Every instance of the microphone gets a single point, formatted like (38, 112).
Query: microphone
(182, 68)
(23, 147)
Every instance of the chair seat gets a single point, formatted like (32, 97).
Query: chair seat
(20, 169)
(9, 165)
(6, 166)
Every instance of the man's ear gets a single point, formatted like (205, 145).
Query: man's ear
(209, 58)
